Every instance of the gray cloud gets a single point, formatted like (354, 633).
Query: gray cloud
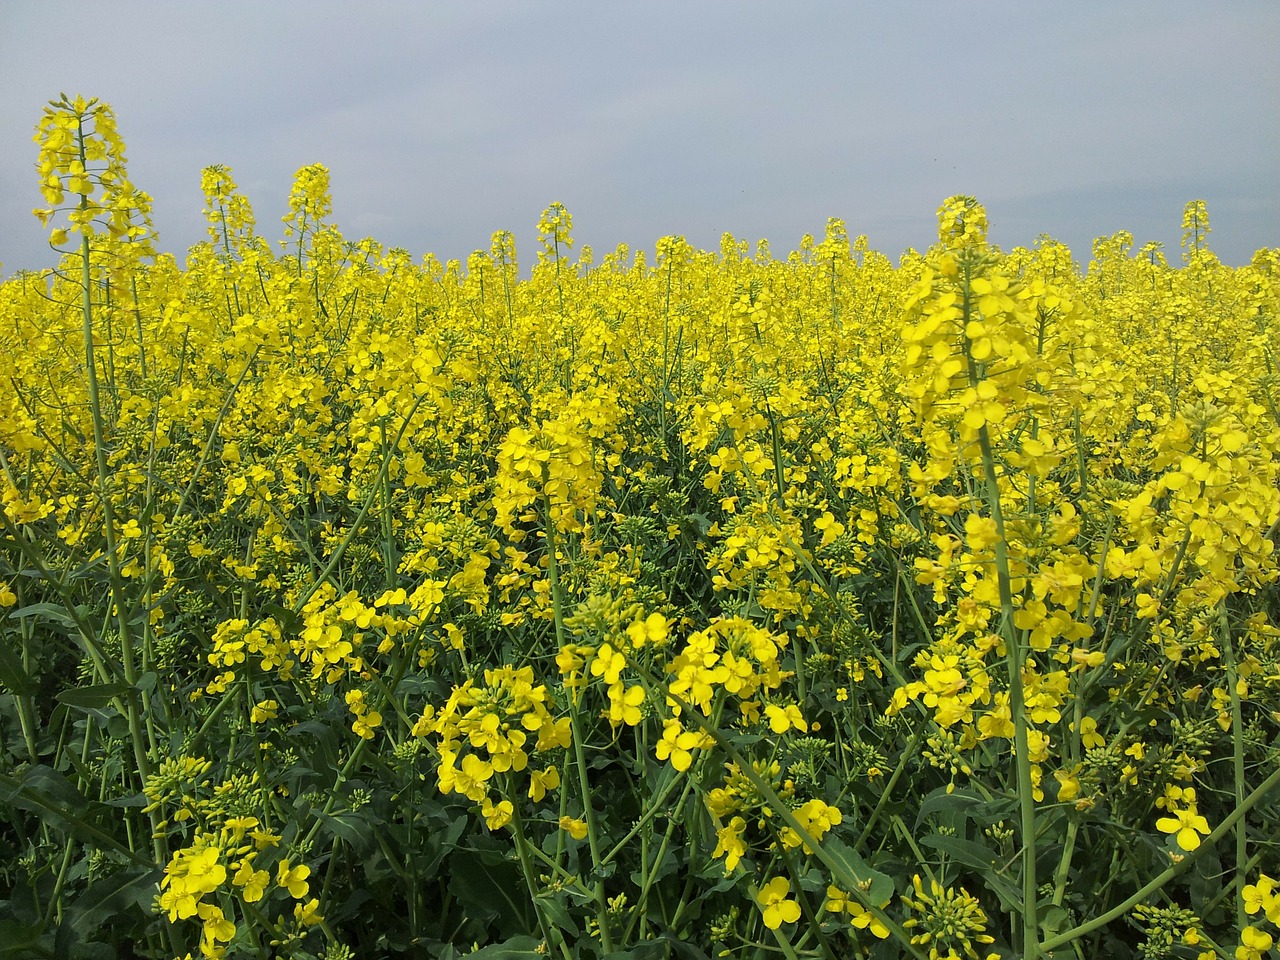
(443, 122)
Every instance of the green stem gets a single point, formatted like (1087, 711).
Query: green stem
(1064, 863)
(655, 808)
(641, 909)
(1014, 660)
(141, 753)
(1015, 657)
(550, 932)
(1237, 761)
(903, 760)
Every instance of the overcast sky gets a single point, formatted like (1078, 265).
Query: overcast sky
(442, 122)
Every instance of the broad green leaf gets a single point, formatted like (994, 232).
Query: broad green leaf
(878, 886)
(981, 858)
(12, 675)
(554, 909)
(650, 950)
(96, 696)
(43, 782)
(18, 939)
(491, 887)
(128, 888)
(351, 828)
(516, 948)
(969, 852)
(1053, 918)
(43, 611)
(939, 801)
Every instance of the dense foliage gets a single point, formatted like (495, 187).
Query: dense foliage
(722, 606)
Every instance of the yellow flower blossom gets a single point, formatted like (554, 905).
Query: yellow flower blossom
(1187, 824)
(293, 879)
(775, 905)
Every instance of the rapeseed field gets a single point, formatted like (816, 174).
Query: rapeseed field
(695, 604)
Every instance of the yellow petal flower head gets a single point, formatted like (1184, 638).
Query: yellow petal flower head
(962, 220)
(730, 844)
(82, 154)
(293, 879)
(775, 905)
(1187, 824)
(1254, 944)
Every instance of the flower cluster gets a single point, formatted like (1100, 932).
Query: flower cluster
(488, 730)
(82, 154)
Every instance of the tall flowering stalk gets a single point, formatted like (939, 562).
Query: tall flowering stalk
(82, 154)
(968, 363)
(85, 183)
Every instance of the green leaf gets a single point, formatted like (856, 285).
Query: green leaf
(96, 696)
(993, 811)
(316, 728)
(50, 795)
(878, 886)
(125, 890)
(982, 859)
(969, 852)
(12, 675)
(604, 871)
(289, 621)
(46, 611)
(17, 939)
(679, 946)
(484, 881)
(326, 741)
(516, 948)
(667, 866)
(1205, 886)
(138, 800)
(351, 828)
(555, 910)
(939, 801)
(47, 784)
(1053, 919)
(650, 950)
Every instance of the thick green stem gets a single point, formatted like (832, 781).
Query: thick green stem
(1015, 661)
(141, 753)
(1237, 761)
(550, 932)
(1015, 658)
